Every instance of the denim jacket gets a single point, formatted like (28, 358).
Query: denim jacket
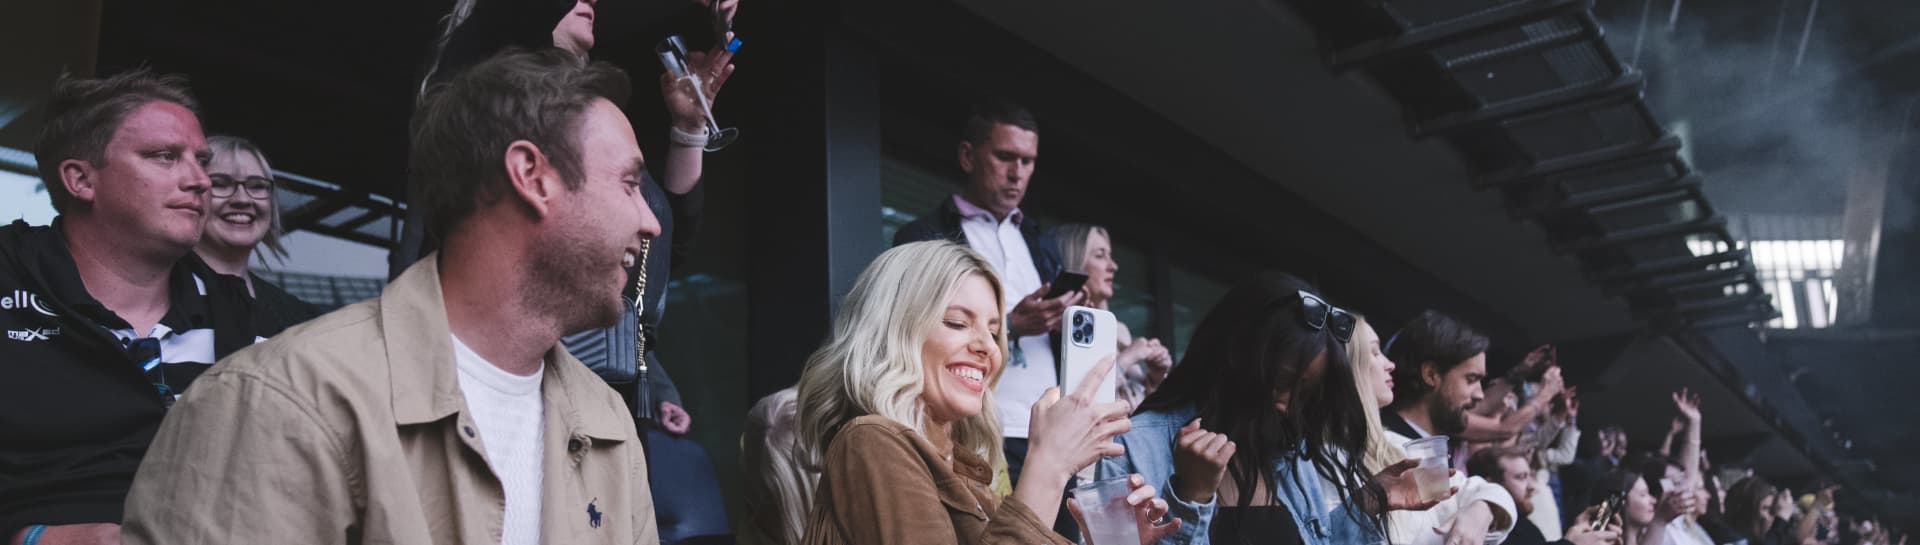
(1150, 453)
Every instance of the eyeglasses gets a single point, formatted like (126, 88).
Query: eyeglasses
(1321, 316)
(258, 187)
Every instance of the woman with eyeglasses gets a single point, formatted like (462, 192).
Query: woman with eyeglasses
(1262, 407)
(242, 215)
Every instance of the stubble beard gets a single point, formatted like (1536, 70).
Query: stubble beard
(566, 283)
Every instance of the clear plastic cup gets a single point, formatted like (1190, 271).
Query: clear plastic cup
(1431, 475)
(1110, 521)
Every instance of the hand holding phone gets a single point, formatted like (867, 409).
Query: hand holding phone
(1087, 336)
(1067, 282)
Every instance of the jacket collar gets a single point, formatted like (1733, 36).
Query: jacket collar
(1392, 421)
(424, 383)
(969, 210)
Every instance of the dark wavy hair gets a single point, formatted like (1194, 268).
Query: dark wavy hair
(1253, 345)
(1744, 499)
(1433, 338)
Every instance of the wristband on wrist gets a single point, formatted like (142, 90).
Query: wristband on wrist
(32, 535)
(686, 139)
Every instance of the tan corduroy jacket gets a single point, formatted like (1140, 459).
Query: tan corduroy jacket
(352, 429)
(882, 483)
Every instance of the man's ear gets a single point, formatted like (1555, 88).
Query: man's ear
(966, 157)
(531, 178)
(1430, 374)
(78, 177)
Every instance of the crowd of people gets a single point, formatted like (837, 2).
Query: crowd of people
(502, 389)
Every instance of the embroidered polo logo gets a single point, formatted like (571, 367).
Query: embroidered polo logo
(30, 334)
(23, 299)
(593, 513)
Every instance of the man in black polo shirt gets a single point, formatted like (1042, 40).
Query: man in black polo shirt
(108, 316)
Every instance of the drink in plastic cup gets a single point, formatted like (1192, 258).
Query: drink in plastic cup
(1110, 521)
(1431, 475)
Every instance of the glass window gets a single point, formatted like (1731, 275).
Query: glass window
(1132, 290)
(1193, 296)
(907, 191)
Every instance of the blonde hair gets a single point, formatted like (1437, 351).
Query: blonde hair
(1071, 239)
(871, 364)
(780, 489)
(221, 144)
(1380, 453)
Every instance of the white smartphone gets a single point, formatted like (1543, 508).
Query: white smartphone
(1087, 335)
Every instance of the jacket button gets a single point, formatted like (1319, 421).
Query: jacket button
(469, 430)
(573, 445)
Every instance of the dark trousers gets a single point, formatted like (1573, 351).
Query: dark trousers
(1063, 524)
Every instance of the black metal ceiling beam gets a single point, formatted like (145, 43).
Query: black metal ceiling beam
(1649, 269)
(1637, 234)
(1584, 202)
(1565, 37)
(1421, 39)
(1556, 102)
(1676, 281)
(1666, 145)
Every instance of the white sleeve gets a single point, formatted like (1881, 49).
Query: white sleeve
(1562, 452)
(1477, 489)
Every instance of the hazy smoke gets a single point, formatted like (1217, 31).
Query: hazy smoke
(1772, 136)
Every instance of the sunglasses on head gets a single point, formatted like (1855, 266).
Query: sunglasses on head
(1321, 316)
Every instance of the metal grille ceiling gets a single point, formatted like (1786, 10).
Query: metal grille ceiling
(1540, 109)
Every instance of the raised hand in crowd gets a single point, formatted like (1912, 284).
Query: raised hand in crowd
(1036, 315)
(1675, 503)
(726, 10)
(1567, 410)
(713, 68)
(1688, 403)
(1531, 365)
(1199, 462)
(1154, 359)
(1551, 384)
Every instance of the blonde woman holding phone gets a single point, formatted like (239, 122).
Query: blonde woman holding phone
(896, 412)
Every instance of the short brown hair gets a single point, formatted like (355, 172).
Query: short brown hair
(1485, 463)
(987, 114)
(463, 126)
(83, 114)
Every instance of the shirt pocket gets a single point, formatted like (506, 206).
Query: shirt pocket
(961, 501)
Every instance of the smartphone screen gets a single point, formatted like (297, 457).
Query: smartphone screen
(1066, 282)
(1087, 335)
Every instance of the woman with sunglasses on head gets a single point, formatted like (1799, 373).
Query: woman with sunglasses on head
(243, 213)
(1261, 410)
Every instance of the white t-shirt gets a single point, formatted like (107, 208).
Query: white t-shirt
(1030, 359)
(507, 409)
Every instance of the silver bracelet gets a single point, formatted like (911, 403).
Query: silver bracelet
(687, 139)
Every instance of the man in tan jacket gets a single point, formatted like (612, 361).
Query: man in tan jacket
(444, 411)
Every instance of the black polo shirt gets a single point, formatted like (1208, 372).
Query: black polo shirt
(85, 393)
